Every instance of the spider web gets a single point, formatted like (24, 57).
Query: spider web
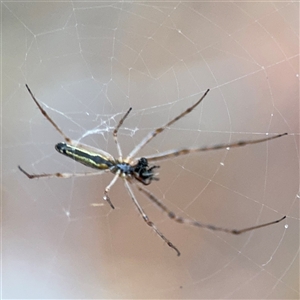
(88, 62)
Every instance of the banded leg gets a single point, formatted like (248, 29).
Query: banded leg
(174, 153)
(181, 220)
(146, 219)
(154, 133)
(67, 139)
(61, 175)
(115, 133)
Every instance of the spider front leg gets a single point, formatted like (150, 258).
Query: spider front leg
(157, 131)
(175, 153)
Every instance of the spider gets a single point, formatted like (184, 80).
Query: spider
(136, 170)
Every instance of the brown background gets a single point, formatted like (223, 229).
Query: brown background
(87, 63)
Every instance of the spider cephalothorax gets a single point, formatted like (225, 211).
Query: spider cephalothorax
(140, 171)
(143, 173)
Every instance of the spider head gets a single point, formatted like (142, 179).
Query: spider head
(143, 172)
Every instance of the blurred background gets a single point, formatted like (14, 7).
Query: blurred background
(87, 63)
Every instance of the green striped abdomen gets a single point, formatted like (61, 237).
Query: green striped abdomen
(87, 158)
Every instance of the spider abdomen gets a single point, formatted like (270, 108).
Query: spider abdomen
(87, 158)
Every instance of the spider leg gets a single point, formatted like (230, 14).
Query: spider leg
(115, 133)
(184, 151)
(105, 196)
(154, 133)
(181, 220)
(67, 139)
(60, 175)
(146, 219)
